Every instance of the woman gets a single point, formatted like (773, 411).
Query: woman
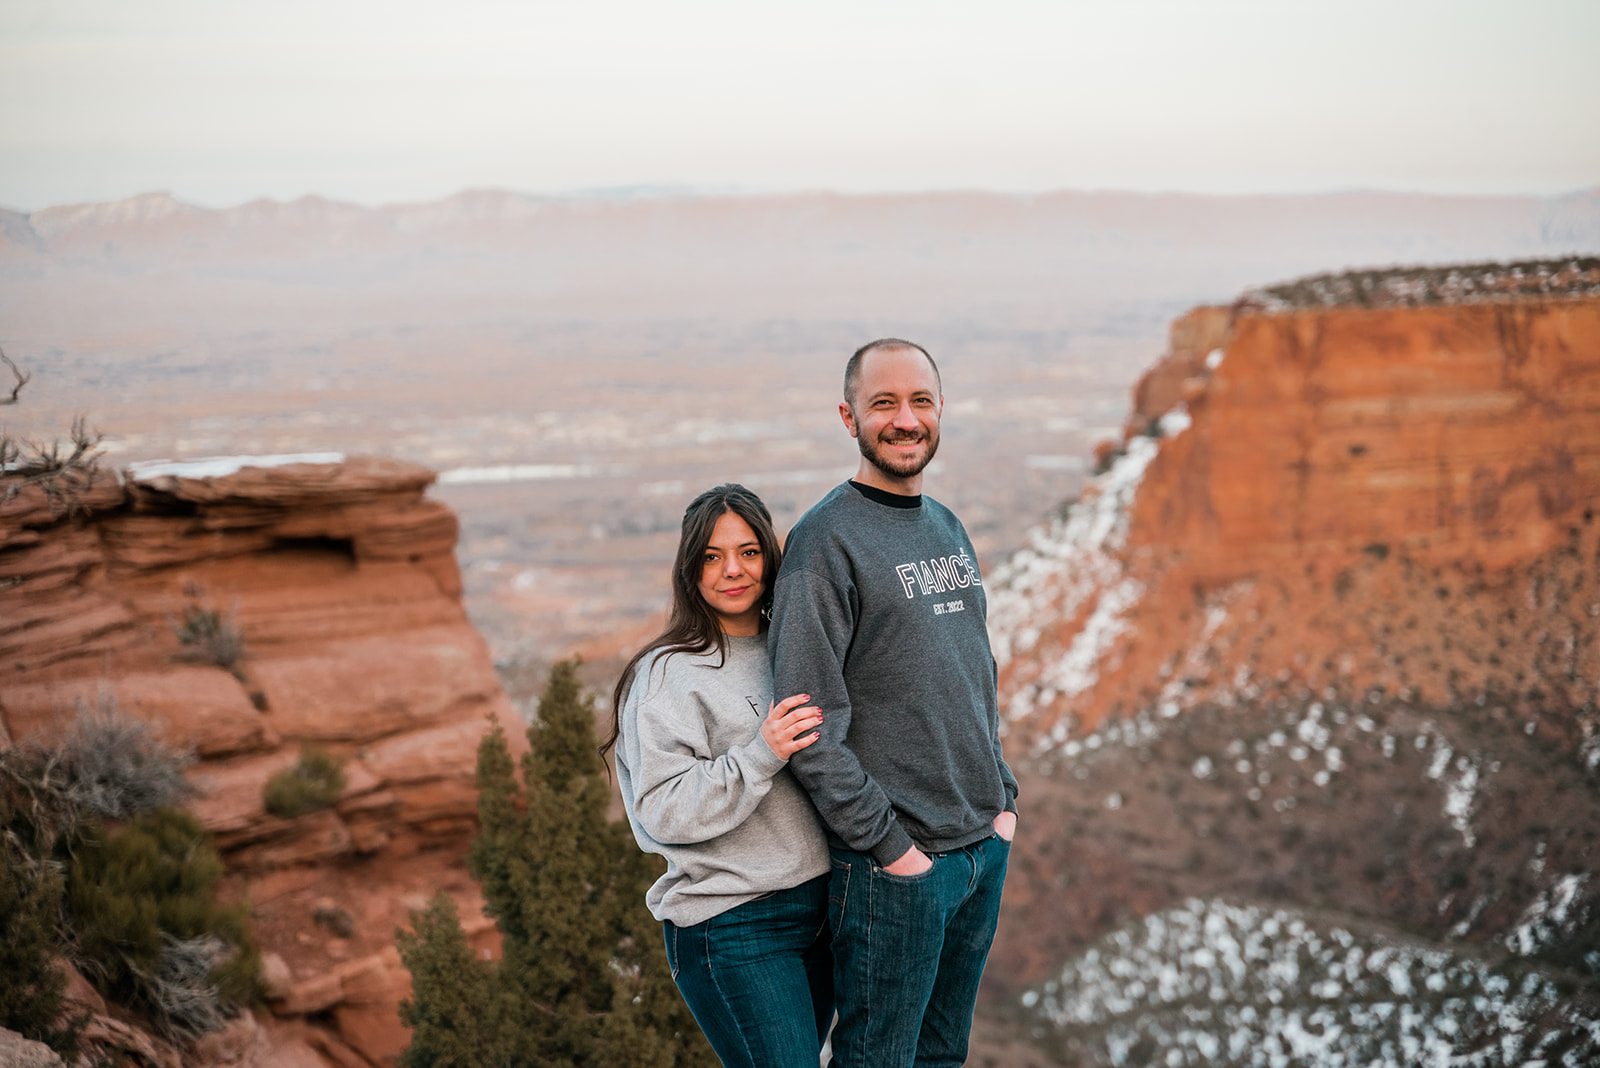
(744, 902)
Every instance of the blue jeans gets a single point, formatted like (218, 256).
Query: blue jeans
(908, 953)
(759, 977)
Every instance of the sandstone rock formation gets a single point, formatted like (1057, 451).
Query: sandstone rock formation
(1323, 636)
(1340, 496)
(339, 578)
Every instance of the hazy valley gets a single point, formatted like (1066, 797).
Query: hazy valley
(577, 369)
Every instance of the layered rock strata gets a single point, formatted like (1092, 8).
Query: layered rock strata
(248, 608)
(1318, 649)
(1353, 497)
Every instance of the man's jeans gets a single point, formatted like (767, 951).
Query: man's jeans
(908, 953)
(759, 978)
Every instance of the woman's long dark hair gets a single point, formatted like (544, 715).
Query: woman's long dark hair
(692, 627)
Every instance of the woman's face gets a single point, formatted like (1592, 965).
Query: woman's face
(730, 576)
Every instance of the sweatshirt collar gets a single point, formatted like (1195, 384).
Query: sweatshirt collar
(879, 496)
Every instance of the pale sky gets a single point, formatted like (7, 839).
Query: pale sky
(220, 101)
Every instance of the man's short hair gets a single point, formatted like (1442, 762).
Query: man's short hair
(852, 369)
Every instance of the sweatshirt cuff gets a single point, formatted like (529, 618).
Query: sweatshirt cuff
(762, 759)
(892, 846)
(1011, 800)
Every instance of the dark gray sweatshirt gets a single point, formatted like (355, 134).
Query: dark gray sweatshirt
(880, 617)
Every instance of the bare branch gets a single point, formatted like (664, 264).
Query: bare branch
(65, 476)
(21, 377)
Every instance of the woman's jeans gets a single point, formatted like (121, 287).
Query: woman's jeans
(759, 977)
(909, 951)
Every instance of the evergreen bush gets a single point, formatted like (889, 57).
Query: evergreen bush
(583, 978)
(313, 784)
(458, 1011)
(142, 899)
(133, 904)
(32, 988)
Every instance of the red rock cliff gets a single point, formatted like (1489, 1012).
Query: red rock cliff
(341, 578)
(1341, 496)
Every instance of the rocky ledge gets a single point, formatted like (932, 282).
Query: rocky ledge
(249, 607)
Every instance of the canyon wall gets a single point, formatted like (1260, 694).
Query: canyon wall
(1315, 657)
(339, 578)
(1400, 498)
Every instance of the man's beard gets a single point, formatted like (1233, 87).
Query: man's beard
(895, 468)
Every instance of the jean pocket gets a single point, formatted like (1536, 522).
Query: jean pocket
(880, 872)
(672, 949)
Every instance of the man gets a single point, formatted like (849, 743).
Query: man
(879, 616)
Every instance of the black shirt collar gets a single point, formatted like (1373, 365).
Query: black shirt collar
(893, 500)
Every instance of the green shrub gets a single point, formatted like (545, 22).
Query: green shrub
(134, 905)
(313, 784)
(142, 900)
(32, 988)
(211, 637)
(31, 890)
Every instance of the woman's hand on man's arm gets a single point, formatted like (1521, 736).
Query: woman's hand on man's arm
(791, 725)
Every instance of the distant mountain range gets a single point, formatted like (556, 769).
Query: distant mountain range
(1406, 227)
(1107, 262)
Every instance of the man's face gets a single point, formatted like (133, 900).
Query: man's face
(894, 415)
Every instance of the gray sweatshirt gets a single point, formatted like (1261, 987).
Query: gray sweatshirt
(880, 617)
(704, 790)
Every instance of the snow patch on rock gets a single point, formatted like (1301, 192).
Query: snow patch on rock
(1217, 983)
(1070, 567)
(222, 466)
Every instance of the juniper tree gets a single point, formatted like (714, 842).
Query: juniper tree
(582, 978)
(457, 1013)
(543, 867)
(647, 1000)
